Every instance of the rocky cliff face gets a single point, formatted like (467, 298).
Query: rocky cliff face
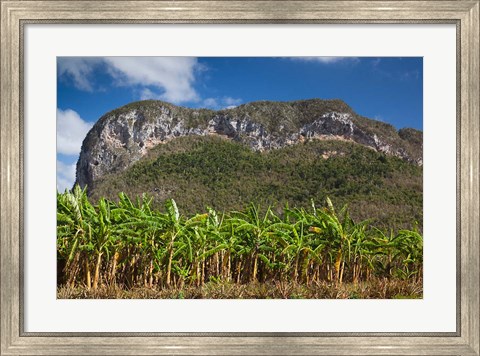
(125, 135)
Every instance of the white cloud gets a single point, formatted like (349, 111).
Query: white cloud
(225, 102)
(65, 176)
(71, 130)
(174, 76)
(231, 101)
(210, 103)
(79, 70)
(147, 94)
(326, 59)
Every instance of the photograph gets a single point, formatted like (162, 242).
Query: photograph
(239, 177)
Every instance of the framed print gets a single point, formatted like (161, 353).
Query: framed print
(213, 146)
(194, 158)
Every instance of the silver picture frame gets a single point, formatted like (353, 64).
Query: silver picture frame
(16, 14)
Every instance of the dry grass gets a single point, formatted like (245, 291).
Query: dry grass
(375, 289)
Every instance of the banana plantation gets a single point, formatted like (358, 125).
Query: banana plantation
(129, 244)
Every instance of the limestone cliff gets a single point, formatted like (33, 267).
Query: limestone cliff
(125, 135)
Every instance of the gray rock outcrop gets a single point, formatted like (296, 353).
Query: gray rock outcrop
(125, 135)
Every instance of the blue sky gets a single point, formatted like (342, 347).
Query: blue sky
(387, 89)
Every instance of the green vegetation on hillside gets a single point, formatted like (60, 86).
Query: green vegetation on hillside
(212, 171)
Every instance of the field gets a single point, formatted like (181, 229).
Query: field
(125, 249)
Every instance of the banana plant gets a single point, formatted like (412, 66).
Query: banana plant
(75, 214)
(129, 243)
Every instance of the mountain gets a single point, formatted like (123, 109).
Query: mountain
(266, 152)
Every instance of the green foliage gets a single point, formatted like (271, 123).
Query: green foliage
(130, 244)
(223, 174)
